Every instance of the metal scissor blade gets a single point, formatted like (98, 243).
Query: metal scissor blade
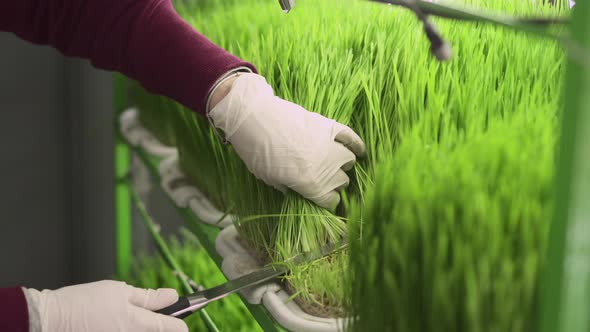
(450, 11)
(272, 271)
(193, 302)
(245, 281)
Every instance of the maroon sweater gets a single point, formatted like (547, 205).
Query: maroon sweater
(144, 39)
(14, 315)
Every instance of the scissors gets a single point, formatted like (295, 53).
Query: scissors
(188, 304)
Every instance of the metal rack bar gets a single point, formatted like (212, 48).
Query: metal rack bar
(566, 300)
(122, 199)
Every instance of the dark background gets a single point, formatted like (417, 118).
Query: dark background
(57, 171)
(56, 202)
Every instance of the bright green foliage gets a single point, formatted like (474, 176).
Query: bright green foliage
(154, 114)
(454, 230)
(454, 136)
(151, 272)
(453, 237)
(201, 153)
(319, 287)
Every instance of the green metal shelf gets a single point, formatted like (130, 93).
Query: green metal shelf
(167, 256)
(204, 232)
(566, 296)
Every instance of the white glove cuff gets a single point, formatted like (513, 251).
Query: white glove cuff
(33, 299)
(217, 84)
(248, 92)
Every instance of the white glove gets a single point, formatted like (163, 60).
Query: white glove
(104, 306)
(283, 144)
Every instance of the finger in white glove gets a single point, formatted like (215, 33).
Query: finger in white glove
(103, 306)
(285, 145)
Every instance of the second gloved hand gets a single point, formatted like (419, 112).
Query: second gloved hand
(285, 145)
(102, 306)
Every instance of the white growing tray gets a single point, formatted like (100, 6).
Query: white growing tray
(137, 135)
(174, 182)
(185, 194)
(237, 262)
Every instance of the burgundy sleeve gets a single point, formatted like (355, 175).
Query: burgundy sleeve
(144, 39)
(14, 314)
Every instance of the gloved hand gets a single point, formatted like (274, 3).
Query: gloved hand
(283, 144)
(102, 306)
